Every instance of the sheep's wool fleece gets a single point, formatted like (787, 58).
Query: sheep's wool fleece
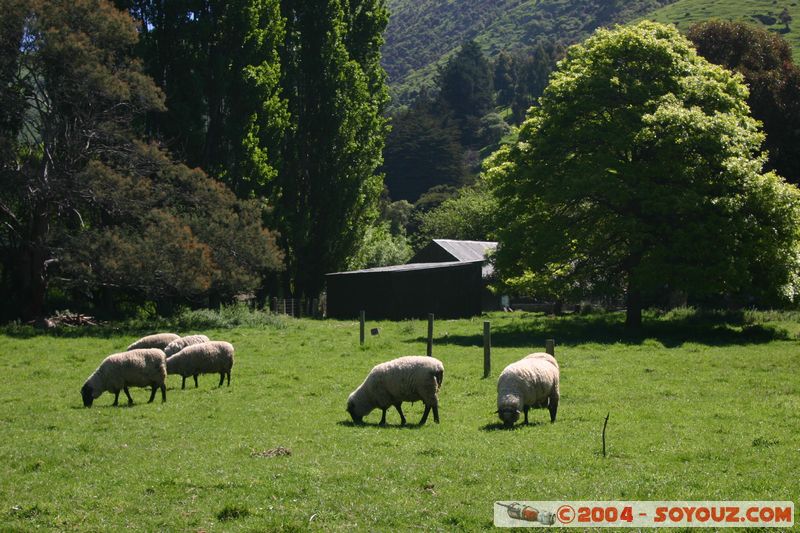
(530, 380)
(179, 344)
(159, 340)
(405, 379)
(135, 368)
(206, 358)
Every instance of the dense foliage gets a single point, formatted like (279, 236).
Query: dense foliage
(88, 208)
(326, 192)
(641, 173)
(765, 60)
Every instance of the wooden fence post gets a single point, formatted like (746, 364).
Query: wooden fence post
(430, 334)
(550, 347)
(487, 349)
(361, 327)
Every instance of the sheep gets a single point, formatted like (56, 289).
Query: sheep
(405, 379)
(159, 340)
(207, 358)
(136, 368)
(179, 344)
(530, 382)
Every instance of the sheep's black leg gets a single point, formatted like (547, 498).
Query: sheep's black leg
(553, 407)
(163, 393)
(383, 418)
(229, 378)
(402, 416)
(525, 409)
(195, 381)
(183, 383)
(153, 393)
(436, 412)
(425, 415)
(116, 398)
(128, 394)
(221, 379)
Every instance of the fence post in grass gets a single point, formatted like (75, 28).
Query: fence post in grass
(487, 349)
(550, 346)
(430, 334)
(361, 327)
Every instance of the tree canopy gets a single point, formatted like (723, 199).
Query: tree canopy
(765, 61)
(84, 202)
(639, 173)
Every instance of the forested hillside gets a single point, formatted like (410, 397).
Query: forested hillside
(422, 33)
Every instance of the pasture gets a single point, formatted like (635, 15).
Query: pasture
(701, 407)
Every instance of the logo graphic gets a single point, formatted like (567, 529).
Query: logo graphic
(517, 511)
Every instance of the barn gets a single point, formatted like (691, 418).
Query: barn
(447, 277)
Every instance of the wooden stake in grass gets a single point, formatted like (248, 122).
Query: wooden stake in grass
(361, 326)
(550, 346)
(487, 349)
(604, 433)
(430, 334)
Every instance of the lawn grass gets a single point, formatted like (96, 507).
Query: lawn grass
(702, 407)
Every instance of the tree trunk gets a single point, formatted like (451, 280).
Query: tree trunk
(633, 315)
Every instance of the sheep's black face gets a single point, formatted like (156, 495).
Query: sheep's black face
(508, 416)
(88, 398)
(351, 408)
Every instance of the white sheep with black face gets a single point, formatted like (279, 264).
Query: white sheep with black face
(179, 344)
(532, 382)
(405, 379)
(159, 340)
(213, 357)
(135, 368)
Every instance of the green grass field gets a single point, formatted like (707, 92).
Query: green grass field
(701, 407)
(684, 13)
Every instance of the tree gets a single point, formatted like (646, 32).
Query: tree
(641, 173)
(218, 64)
(765, 61)
(472, 215)
(82, 199)
(466, 88)
(380, 248)
(422, 151)
(326, 190)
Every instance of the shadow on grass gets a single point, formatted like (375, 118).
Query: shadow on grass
(365, 425)
(710, 328)
(499, 426)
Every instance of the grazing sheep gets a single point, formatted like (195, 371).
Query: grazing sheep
(530, 382)
(159, 340)
(136, 368)
(179, 344)
(207, 358)
(405, 379)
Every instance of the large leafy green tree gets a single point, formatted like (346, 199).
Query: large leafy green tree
(82, 200)
(640, 172)
(327, 189)
(765, 60)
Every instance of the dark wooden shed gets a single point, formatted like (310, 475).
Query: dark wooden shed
(447, 278)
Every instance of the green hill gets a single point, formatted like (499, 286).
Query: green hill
(684, 13)
(423, 33)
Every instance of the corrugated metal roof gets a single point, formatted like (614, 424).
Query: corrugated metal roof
(466, 250)
(403, 268)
